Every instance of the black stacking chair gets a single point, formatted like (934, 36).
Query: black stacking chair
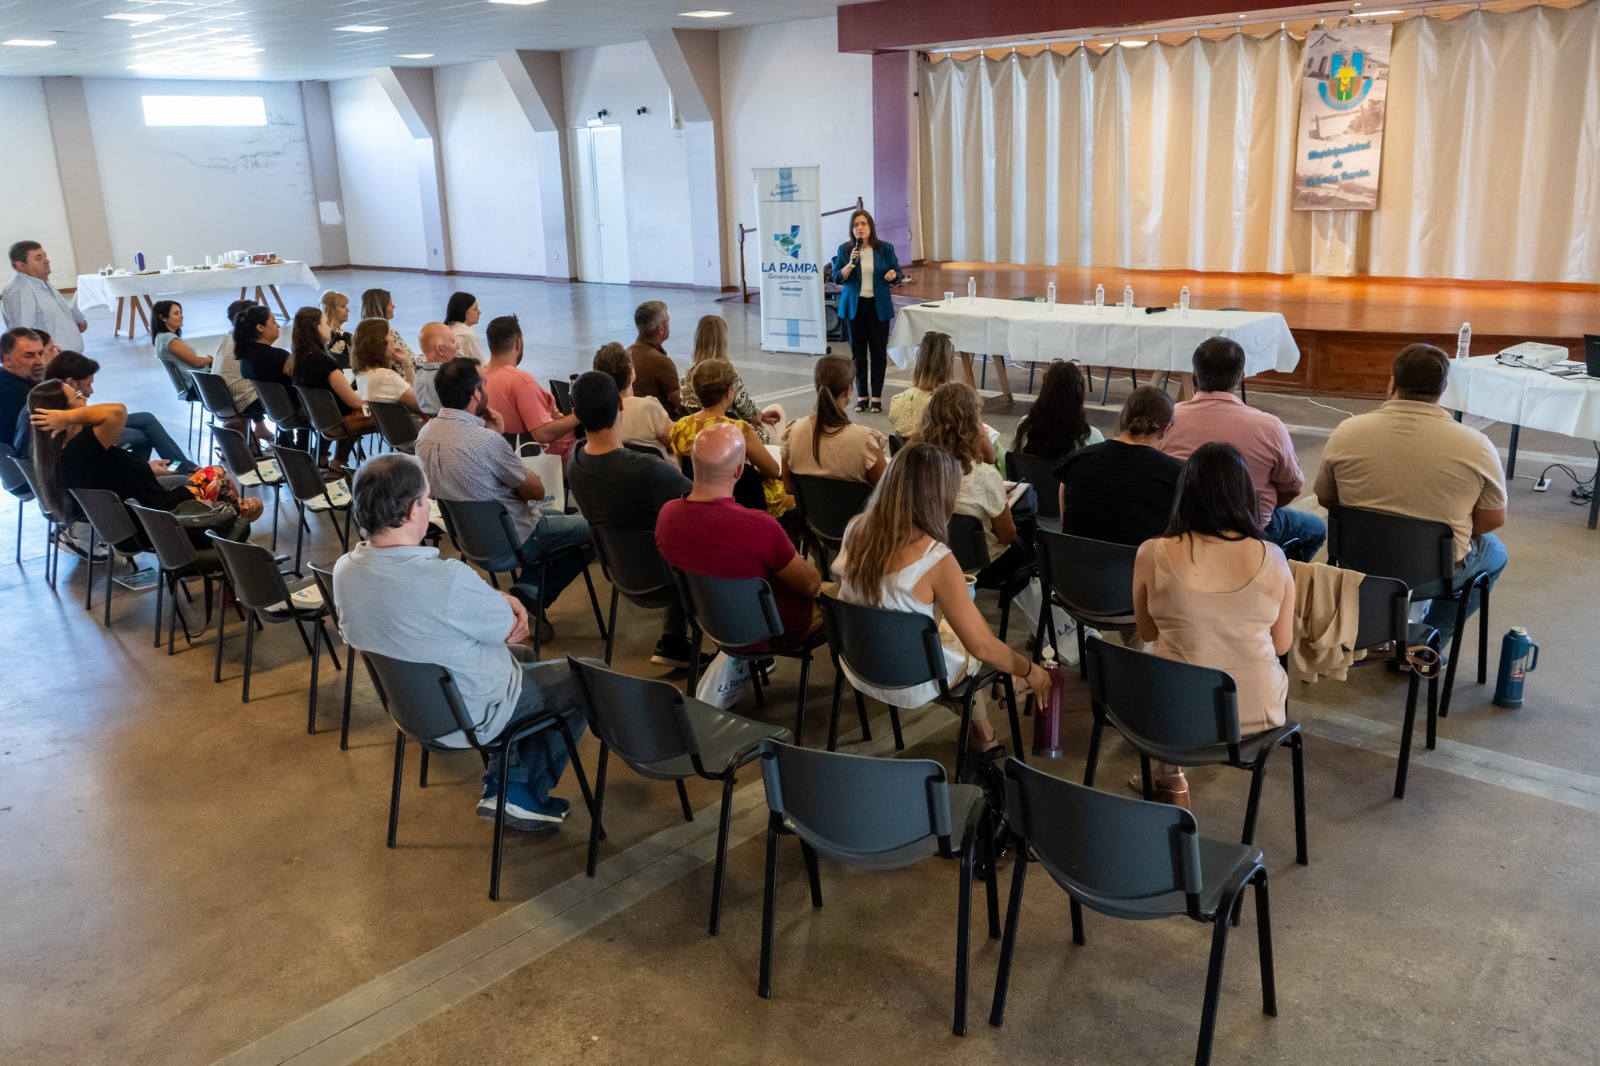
(827, 504)
(312, 492)
(282, 409)
(216, 398)
(629, 558)
(395, 424)
(15, 482)
(263, 594)
(1189, 716)
(184, 386)
(749, 491)
(666, 736)
(426, 706)
(898, 649)
(247, 471)
(1420, 553)
(896, 442)
(54, 525)
(644, 449)
(561, 392)
(483, 532)
(1092, 580)
(109, 524)
(324, 578)
(874, 814)
(322, 408)
(1134, 860)
(1036, 471)
(971, 550)
(741, 618)
(1384, 619)
(180, 561)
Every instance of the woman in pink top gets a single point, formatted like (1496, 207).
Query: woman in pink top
(1215, 593)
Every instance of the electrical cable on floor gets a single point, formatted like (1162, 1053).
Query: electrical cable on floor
(1326, 407)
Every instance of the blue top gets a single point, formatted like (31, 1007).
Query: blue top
(883, 261)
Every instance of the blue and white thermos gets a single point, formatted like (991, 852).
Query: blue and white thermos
(1518, 657)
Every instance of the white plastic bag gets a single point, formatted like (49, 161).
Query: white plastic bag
(547, 467)
(724, 683)
(1030, 601)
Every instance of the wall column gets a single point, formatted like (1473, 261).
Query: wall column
(892, 168)
(323, 150)
(535, 80)
(79, 166)
(410, 90)
(690, 61)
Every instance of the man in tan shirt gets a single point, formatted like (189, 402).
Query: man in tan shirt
(655, 374)
(1410, 457)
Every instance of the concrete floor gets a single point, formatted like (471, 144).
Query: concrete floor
(189, 878)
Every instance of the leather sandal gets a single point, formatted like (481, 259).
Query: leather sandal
(1159, 793)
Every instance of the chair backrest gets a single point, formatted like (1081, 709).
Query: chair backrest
(884, 648)
(182, 384)
(394, 424)
(641, 719)
(734, 612)
(828, 503)
(1094, 578)
(1114, 853)
(170, 541)
(30, 475)
(896, 442)
(1414, 550)
(967, 542)
(109, 516)
(646, 449)
(305, 480)
(323, 408)
(252, 571)
(12, 479)
(857, 809)
(749, 491)
(481, 529)
(1385, 608)
(1036, 471)
(1161, 705)
(561, 392)
(278, 404)
(631, 558)
(422, 698)
(214, 394)
(324, 576)
(236, 457)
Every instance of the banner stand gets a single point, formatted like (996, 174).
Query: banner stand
(789, 235)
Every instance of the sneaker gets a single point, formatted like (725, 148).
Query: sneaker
(522, 810)
(673, 649)
(75, 539)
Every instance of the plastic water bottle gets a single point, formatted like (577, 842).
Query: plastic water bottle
(1183, 302)
(1047, 712)
(1050, 295)
(972, 290)
(138, 261)
(1463, 341)
(1518, 657)
(1127, 300)
(1099, 299)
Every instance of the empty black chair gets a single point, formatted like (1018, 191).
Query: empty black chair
(971, 549)
(1092, 580)
(874, 814)
(281, 408)
(1130, 859)
(1420, 553)
(216, 398)
(1186, 715)
(1036, 471)
(260, 590)
(247, 471)
(312, 492)
(665, 736)
(828, 504)
(483, 532)
(426, 706)
(630, 559)
(15, 482)
(1384, 619)
(395, 424)
(561, 392)
(184, 386)
(179, 560)
(900, 649)
(324, 578)
(109, 524)
(741, 618)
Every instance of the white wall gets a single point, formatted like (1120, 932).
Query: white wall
(620, 79)
(186, 191)
(491, 173)
(771, 120)
(34, 208)
(378, 177)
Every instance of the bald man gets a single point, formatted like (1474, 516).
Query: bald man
(709, 533)
(436, 346)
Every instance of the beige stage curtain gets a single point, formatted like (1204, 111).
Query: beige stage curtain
(1179, 157)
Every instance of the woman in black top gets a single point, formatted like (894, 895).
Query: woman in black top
(1121, 490)
(315, 368)
(254, 331)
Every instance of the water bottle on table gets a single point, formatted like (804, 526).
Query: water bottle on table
(1183, 302)
(972, 290)
(1099, 299)
(1127, 300)
(1050, 295)
(1463, 341)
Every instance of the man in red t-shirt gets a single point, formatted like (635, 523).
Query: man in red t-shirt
(708, 532)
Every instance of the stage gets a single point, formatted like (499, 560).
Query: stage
(1348, 329)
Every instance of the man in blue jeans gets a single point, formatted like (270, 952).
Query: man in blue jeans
(398, 598)
(466, 457)
(143, 434)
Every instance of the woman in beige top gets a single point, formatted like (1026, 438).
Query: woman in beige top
(827, 443)
(1215, 593)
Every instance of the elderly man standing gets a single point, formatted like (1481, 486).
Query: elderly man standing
(466, 457)
(398, 598)
(30, 300)
(438, 346)
(655, 374)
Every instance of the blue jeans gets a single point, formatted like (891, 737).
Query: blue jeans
(144, 434)
(1486, 556)
(1288, 523)
(556, 531)
(539, 759)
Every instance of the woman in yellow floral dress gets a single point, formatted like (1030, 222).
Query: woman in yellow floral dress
(713, 384)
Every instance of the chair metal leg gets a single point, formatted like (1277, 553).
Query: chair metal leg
(1297, 763)
(683, 801)
(963, 930)
(1269, 984)
(861, 716)
(963, 740)
(599, 804)
(249, 653)
(222, 623)
(1455, 654)
(833, 714)
(394, 789)
(88, 585)
(161, 582)
(1252, 807)
(499, 825)
(894, 724)
(769, 900)
(111, 567)
(1008, 944)
(1083, 653)
(991, 900)
(1483, 632)
(1405, 736)
(813, 875)
(316, 660)
(422, 774)
(344, 724)
(611, 630)
(694, 663)
(1075, 911)
(1093, 756)
(594, 602)
(1208, 1011)
(577, 770)
(1016, 723)
(722, 852)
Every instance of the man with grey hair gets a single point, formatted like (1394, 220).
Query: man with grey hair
(655, 374)
(30, 300)
(400, 599)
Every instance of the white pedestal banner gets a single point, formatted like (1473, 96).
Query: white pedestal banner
(789, 235)
(1342, 102)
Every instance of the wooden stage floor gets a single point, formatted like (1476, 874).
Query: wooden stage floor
(1348, 329)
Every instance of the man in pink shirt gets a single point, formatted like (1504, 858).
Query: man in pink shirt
(526, 406)
(1216, 414)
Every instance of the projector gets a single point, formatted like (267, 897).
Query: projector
(1532, 354)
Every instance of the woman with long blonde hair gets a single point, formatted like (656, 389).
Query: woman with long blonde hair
(894, 556)
(711, 343)
(934, 357)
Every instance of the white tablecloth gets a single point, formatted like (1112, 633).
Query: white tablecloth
(95, 290)
(1523, 397)
(1034, 332)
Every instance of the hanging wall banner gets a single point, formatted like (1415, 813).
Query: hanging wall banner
(1341, 119)
(789, 234)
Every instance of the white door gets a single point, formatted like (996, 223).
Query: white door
(603, 205)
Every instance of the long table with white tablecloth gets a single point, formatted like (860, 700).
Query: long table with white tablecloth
(100, 290)
(1564, 402)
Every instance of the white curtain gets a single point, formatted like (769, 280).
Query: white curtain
(1180, 157)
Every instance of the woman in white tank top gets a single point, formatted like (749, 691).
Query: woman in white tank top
(894, 557)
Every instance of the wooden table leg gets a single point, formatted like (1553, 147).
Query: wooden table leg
(274, 290)
(999, 362)
(118, 327)
(244, 290)
(138, 311)
(966, 369)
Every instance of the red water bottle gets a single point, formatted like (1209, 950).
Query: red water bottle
(1047, 712)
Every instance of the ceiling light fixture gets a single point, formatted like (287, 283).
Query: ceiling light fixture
(703, 14)
(1375, 14)
(361, 29)
(135, 17)
(1133, 44)
(415, 55)
(27, 42)
(517, 3)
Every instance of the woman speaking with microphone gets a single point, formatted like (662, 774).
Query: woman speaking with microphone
(866, 267)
